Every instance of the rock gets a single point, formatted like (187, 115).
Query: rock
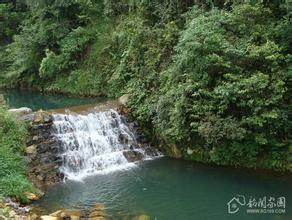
(31, 196)
(35, 138)
(124, 99)
(38, 211)
(28, 117)
(99, 206)
(40, 178)
(2, 204)
(43, 153)
(48, 217)
(12, 213)
(142, 217)
(34, 216)
(31, 149)
(60, 214)
(133, 155)
(25, 217)
(97, 214)
(151, 151)
(20, 111)
(72, 214)
(42, 117)
(56, 213)
(123, 110)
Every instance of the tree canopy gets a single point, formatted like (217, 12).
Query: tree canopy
(207, 75)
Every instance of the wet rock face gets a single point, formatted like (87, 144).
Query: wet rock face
(133, 155)
(42, 151)
(143, 142)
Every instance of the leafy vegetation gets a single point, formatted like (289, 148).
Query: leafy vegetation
(13, 180)
(209, 77)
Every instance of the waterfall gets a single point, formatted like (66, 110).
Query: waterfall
(98, 142)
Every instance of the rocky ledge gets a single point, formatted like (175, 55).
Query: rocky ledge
(42, 151)
(13, 211)
(143, 142)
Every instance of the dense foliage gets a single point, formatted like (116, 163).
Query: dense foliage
(13, 180)
(208, 77)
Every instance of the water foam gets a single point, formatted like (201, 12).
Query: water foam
(94, 143)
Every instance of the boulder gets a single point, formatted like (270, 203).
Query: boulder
(20, 111)
(33, 197)
(31, 149)
(123, 100)
(151, 151)
(42, 117)
(72, 214)
(99, 206)
(133, 155)
(28, 117)
(33, 217)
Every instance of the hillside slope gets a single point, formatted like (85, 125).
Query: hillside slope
(209, 80)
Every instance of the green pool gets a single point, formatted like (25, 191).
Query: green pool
(36, 100)
(169, 189)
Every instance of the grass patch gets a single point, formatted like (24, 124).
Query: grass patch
(13, 180)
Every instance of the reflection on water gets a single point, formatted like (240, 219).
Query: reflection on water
(172, 189)
(36, 100)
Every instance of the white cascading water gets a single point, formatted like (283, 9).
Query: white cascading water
(93, 143)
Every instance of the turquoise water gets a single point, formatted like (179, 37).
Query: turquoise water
(167, 189)
(36, 100)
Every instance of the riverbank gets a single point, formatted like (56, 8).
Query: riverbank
(10, 210)
(13, 172)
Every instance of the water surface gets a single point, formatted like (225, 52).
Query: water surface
(167, 189)
(36, 100)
